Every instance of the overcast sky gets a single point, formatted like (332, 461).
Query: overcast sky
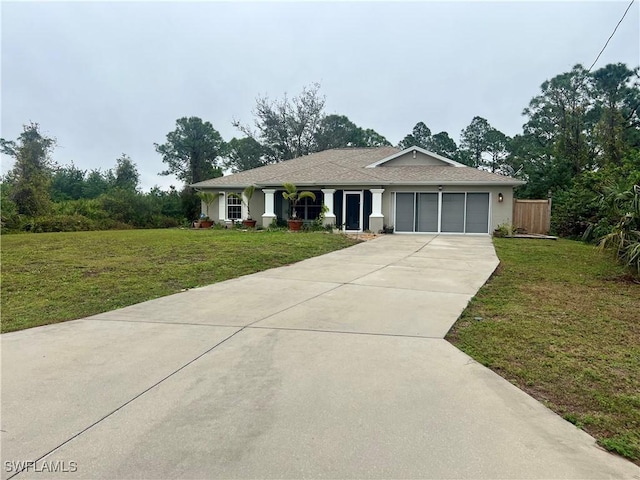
(111, 78)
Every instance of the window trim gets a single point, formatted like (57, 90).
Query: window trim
(232, 201)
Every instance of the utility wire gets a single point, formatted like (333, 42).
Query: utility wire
(611, 36)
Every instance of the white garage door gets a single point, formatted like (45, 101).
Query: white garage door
(464, 212)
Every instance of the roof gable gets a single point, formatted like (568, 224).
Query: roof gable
(415, 156)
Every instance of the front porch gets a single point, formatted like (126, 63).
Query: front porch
(351, 210)
(354, 209)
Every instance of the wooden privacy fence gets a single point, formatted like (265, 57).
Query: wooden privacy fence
(532, 216)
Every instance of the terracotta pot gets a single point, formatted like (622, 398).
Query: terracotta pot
(295, 225)
(206, 224)
(249, 223)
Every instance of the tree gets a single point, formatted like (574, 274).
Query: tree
(474, 141)
(9, 217)
(287, 128)
(560, 119)
(371, 138)
(192, 150)
(169, 201)
(32, 170)
(337, 131)
(420, 136)
(442, 144)
(244, 154)
(68, 183)
(617, 106)
(97, 183)
(498, 149)
(127, 176)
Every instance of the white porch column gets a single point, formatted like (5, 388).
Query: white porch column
(243, 209)
(222, 207)
(376, 219)
(327, 199)
(269, 203)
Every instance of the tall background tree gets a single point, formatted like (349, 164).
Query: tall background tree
(580, 140)
(420, 136)
(126, 175)
(337, 131)
(291, 127)
(32, 172)
(192, 152)
(286, 128)
(67, 183)
(617, 108)
(244, 154)
(442, 144)
(474, 142)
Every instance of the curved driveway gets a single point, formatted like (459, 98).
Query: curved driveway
(334, 367)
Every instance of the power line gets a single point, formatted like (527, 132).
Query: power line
(611, 36)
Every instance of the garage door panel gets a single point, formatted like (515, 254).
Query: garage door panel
(404, 212)
(453, 212)
(427, 212)
(477, 220)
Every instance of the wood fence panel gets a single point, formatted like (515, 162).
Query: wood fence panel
(532, 216)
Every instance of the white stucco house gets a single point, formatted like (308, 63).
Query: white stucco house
(411, 190)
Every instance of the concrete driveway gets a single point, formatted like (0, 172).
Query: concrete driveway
(334, 367)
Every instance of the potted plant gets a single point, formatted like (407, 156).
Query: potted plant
(205, 222)
(245, 198)
(292, 194)
(207, 198)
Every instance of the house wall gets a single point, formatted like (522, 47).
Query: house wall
(407, 159)
(500, 212)
(256, 205)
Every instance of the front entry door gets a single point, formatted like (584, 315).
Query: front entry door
(352, 211)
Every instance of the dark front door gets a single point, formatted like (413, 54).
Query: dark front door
(353, 210)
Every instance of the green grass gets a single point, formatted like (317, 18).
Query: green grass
(562, 322)
(53, 277)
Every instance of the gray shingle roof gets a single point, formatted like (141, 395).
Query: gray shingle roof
(345, 166)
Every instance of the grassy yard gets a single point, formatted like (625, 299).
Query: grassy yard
(53, 277)
(562, 322)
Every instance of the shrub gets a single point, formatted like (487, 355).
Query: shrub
(503, 230)
(624, 239)
(60, 223)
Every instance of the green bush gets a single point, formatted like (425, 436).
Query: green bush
(573, 210)
(60, 223)
(624, 239)
(90, 208)
(503, 230)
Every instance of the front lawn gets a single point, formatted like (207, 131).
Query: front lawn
(562, 322)
(53, 277)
